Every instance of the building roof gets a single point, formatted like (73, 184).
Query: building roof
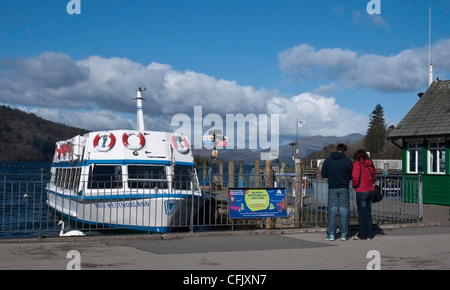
(429, 117)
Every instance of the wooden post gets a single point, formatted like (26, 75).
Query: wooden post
(257, 177)
(220, 174)
(231, 173)
(269, 173)
(269, 221)
(241, 173)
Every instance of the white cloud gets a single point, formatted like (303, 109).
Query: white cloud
(367, 19)
(95, 93)
(53, 82)
(406, 71)
(378, 20)
(327, 89)
(323, 116)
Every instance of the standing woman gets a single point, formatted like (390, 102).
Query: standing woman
(363, 176)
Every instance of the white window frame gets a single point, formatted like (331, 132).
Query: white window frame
(436, 149)
(414, 148)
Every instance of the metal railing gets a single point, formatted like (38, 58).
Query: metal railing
(402, 200)
(24, 212)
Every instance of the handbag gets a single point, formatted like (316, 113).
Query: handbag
(378, 196)
(376, 184)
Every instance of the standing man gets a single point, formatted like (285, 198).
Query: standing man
(337, 168)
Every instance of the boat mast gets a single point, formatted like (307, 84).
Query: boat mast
(140, 113)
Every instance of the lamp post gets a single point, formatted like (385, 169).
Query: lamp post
(299, 124)
(293, 144)
(298, 180)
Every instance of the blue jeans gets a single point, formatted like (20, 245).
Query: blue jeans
(338, 202)
(364, 205)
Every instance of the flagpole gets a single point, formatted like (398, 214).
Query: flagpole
(296, 142)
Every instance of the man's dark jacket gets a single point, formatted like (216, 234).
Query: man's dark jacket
(338, 169)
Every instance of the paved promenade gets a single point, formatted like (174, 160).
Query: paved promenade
(420, 246)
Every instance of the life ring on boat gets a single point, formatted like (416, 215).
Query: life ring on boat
(180, 143)
(57, 151)
(127, 144)
(104, 146)
(62, 149)
(65, 148)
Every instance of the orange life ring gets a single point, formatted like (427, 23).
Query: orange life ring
(62, 149)
(180, 143)
(65, 148)
(133, 147)
(103, 147)
(57, 151)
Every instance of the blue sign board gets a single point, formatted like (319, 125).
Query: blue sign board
(257, 202)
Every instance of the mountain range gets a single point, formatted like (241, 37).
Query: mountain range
(25, 137)
(306, 146)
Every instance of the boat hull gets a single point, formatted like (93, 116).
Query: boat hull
(155, 213)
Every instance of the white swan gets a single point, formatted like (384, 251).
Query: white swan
(70, 233)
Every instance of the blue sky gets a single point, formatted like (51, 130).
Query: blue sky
(328, 63)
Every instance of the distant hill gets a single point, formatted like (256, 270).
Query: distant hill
(306, 146)
(26, 137)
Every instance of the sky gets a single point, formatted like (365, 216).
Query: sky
(327, 63)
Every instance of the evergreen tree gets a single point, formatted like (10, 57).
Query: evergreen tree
(375, 139)
(392, 151)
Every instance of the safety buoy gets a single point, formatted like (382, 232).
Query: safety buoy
(180, 143)
(108, 142)
(133, 146)
(65, 148)
(62, 149)
(57, 151)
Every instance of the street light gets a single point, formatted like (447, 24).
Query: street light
(293, 144)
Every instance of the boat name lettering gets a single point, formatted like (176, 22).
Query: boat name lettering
(122, 204)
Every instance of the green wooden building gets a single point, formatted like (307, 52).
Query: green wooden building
(424, 137)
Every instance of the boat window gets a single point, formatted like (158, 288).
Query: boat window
(147, 176)
(58, 177)
(182, 177)
(77, 178)
(105, 177)
(68, 178)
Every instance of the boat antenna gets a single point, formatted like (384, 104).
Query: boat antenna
(140, 113)
(430, 72)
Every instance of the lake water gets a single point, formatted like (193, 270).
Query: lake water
(23, 209)
(21, 185)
